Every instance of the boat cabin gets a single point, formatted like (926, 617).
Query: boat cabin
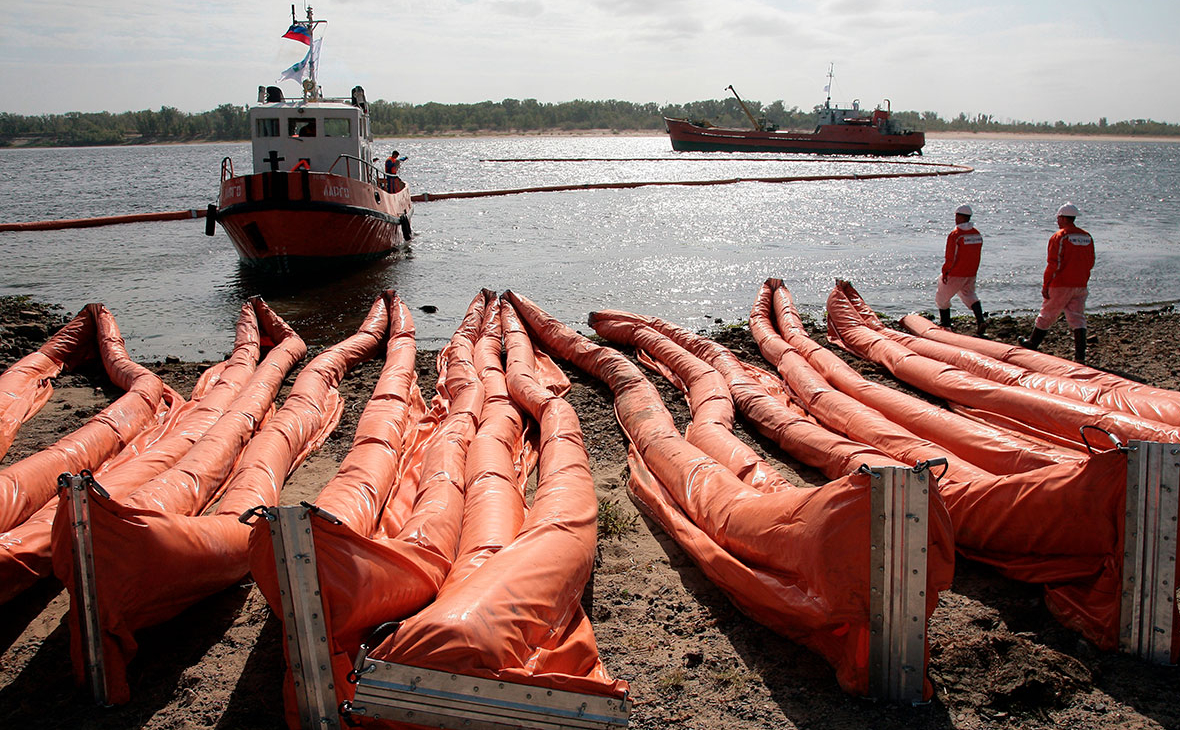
(325, 135)
(833, 114)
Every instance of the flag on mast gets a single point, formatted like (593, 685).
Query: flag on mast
(299, 33)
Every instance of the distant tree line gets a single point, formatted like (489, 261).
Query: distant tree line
(72, 129)
(394, 119)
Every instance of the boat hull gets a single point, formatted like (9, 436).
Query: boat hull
(830, 139)
(287, 221)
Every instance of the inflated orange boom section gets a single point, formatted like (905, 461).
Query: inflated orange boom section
(182, 528)
(434, 503)
(28, 384)
(28, 487)
(511, 608)
(1042, 371)
(143, 532)
(795, 559)
(398, 500)
(1052, 415)
(1059, 525)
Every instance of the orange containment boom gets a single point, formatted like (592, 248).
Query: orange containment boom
(508, 622)
(777, 328)
(383, 533)
(108, 220)
(1041, 370)
(1057, 416)
(1101, 536)
(29, 483)
(943, 169)
(28, 487)
(999, 517)
(377, 551)
(178, 538)
(158, 448)
(28, 384)
(795, 559)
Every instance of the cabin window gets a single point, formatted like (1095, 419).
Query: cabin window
(297, 127)
(334, 127)
(268, 127)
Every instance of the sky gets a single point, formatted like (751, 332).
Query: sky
(1027, 60)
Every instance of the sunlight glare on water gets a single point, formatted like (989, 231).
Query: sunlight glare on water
(690, 254)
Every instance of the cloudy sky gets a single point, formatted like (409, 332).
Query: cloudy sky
(1032, 60)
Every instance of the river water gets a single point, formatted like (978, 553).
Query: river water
(692, 254)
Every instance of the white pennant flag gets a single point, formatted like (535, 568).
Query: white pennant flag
(302, 69)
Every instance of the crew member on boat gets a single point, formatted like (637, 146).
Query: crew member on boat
(392, 166)
(1064, 285)
(963, 247)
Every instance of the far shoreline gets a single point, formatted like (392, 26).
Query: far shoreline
(1051, 137)
(599, 133)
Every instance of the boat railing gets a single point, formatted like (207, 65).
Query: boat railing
(366, 171)
(227, 169)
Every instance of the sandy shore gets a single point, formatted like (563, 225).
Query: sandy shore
(998, 659)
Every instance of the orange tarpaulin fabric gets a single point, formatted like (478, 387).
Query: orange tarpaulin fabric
(398, 497)
(795, 559)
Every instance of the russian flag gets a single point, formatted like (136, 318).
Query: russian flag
(299, 33)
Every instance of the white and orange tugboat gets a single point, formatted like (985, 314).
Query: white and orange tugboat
(315, 197)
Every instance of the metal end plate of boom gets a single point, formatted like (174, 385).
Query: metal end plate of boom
(76, 489)
(899, 506)
(402, 693)
(1148, 610)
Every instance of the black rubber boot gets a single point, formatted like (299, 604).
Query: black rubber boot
(1034, 340)
(944, 317)
(1079, 345)
(980, 319)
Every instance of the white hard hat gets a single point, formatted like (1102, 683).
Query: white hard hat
(963, 210)
(1069, 210)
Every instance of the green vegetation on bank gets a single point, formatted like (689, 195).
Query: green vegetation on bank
(391, 119)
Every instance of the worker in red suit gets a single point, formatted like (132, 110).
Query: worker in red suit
(963, 246)
(1064, 286)
(392, 165)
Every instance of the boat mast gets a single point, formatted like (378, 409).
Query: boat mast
(311, 87)
(828, 101)
(746, 109)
